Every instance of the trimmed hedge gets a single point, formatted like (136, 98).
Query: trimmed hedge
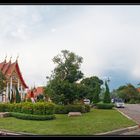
(42, 108)
(39, 108)
(64, 109)
(32, 117)
(104, 105)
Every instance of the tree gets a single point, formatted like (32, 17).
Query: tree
(62, 86)
(40, 97)
(107, 94)
(94, 88)
(114, 94)
(127, 92)
(68, 65)
(2, 82)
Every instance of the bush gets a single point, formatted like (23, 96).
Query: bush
(137, 101)
(60, 109)
(132, 101)
(39, 108)
(26, 108)
(87, 108)
(3, 107)
(104, 105)
(31, 117)
(64, 109)
(29, 100)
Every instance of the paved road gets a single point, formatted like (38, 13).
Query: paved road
(133, 111)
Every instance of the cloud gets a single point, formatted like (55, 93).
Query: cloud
(107, 37)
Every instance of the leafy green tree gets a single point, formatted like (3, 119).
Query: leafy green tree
(114, 94)
(68, 66)
(94, 88)
(62, 86)
(128, 92)
(107, 94)
(40, 97)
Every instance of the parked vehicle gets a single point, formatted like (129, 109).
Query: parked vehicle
(119, 103)
(86, 101)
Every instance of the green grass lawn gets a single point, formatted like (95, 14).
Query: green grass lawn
(96, 121)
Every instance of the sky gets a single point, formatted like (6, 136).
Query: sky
(106, 36)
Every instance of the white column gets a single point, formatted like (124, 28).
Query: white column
(4, 97)
(7, 91)
(18, 84)
(10, 87)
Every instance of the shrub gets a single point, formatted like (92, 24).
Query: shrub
(132, 101)
(64, 109)
(32, 117)
(60, 109)
(137, 101)
(3, 107)
(29, 100)
(104, 105)
(40, 108)
(49, 108)
(27, 108)
(87, 108)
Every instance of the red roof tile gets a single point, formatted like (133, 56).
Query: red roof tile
(138, 89)
(2, 64)
(6, 67)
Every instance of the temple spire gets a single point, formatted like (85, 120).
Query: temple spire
(10, 58)
(5, 58)
(17, 58)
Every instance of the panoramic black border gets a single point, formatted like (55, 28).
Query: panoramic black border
(68, 2)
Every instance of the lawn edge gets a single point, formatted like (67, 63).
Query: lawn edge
(120, 131)
(8, 132)
(126, 116)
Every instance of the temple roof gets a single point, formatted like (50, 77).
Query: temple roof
(36, 91)
(7, 69)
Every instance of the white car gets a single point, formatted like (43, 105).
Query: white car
(119, 103)
(86, 101)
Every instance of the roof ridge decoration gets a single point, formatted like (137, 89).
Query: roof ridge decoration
(7, 67)
(5, 58)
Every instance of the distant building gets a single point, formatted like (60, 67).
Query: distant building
(14, 80)
(36, 91)
(138, 89)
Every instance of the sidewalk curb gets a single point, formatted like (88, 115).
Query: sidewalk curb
(10, 133)
(120, 131)
(126, 116)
